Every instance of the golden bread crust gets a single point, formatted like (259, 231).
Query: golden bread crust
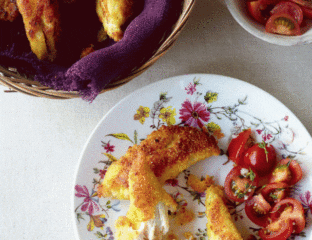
(42, 26)
(8, 10)
(220, 225)
(145, 194)
(168, 151)
(114, 14)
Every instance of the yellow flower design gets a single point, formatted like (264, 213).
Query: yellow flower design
(211, 97)
(215, 129)
(142, 113)
(96, 221)
(167, 115)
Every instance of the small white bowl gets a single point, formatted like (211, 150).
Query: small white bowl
(238, 10)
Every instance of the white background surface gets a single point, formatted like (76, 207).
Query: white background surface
(41, 139)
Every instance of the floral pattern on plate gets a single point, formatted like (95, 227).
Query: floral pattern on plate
(194, 105)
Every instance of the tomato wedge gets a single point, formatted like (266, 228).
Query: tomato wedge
(307, 12)
(256, 10)
(289, 208)
(275, 192)
(283, 24)
(239, 145)
(240, 184)
(257, 210)
(260, 9)
(306, 7)
(290, 8)
(288, 171)
(303, 3)
(261, 158)
(280, 230)
(295, 169)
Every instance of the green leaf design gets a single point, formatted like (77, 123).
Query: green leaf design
(242, 102)
(79, 216)
(121, 136)
(99, 235)
(135, 137)
(111, 157)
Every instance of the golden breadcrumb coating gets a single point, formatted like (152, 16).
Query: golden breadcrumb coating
(168, 151)
(114, 14)
(42, 26)
(146, 193)
(8, 10)
(220, 225)
(199, 185)
(124, 227)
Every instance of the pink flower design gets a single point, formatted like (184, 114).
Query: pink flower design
(286, 118)
(102, 173)
(88, 203)
(259, 131)
(194, 114)
(266, 137)
(109, 148)
(306, 200)
(191, 88)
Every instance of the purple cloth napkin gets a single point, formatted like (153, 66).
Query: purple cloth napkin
(91, 74)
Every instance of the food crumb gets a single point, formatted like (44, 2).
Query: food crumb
(199, 185)
(184, 216)
(189, 236)
(87, 51)
(171, 236)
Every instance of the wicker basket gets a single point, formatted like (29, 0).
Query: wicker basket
(16, 83)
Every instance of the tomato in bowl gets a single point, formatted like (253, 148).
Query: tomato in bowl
(256, 17)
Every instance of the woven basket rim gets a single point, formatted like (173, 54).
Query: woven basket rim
(11, 79)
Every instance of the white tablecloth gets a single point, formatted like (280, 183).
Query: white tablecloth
(41, 139)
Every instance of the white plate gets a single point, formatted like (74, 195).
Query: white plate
(232, 104)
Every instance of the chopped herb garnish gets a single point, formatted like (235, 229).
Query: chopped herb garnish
(263, 145)
(251, 175)
(288, 163)
(273, 196)
(240, 195)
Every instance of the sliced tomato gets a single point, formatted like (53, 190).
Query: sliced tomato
(260, 9)
(275, 192)
(239, 145)
(290, 8)
(296, 171)
(280, 230)
(304, 3)
(288, 171)
(240, 184)
(281, 173)
(256, 11)
(289, 208)
(307, 12)
(257, 210)
(283, 24)
(261, 158)
(306, 7)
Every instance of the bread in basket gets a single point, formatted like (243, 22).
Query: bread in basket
(94, 74)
